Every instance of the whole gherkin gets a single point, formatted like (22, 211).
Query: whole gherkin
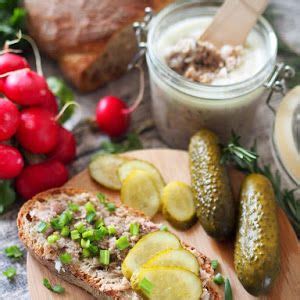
(210, 185)
(256, 251)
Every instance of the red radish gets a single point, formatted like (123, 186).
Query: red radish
(38, 130)
(9, 119)
(65, 150)
(11, 162)
(49, 103)
(25, 87)
(40, 177)
(11, 62)
(112, 117)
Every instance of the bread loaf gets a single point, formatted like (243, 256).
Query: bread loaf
(92, 40)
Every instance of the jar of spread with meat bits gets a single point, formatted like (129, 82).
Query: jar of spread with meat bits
(193, 83)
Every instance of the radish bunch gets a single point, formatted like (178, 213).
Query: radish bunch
(28, 124)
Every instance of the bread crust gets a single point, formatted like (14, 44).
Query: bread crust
(72, 273)
(92, 40)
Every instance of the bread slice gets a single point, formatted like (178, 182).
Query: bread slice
(92, 40)
(102, 282)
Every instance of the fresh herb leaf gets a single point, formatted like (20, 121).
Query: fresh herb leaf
(227, 290)
(64, 95)
(131, 142)
(12, 19)
(13, 252)
(10, 273)
(146, 286)
(7, 195)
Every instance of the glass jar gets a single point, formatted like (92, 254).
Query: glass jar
(180, 106)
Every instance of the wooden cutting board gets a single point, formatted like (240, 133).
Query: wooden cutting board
(173, 165)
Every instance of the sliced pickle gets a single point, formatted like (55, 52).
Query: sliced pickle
(167, 283)
(139, 192)
(135, 164)
(145, 248)
(174, 258)
(103, 169)
(178, 204)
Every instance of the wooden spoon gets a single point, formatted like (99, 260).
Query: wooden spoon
(233, 22)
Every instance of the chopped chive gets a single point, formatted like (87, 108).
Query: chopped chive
(101, 197)
(65, 231)
(47, 284)
(89, 207)
(214, 264)
(13, 252)
(53, 238)
(99, 223)
(73, 207)
(104, 257)
(91, 217)
(111, 207)
(94, 250)
(65, 258)
(58, 289)
(75, 235)
(86, 253)
(85, 243)
(146, 286)
(10, 273)
(88, 234)
(55, 224)
(122, 243)
(134, 228)
(218, 279)
(111, 230)
(227, 290)
(65, 218)
(42, 227)
(100, 233)
(80, 227)
(163, 227)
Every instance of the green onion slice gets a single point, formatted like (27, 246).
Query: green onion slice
(42, 227)
(227, 290)
(104, 257)
(218, 279)
(89, 207)
(134, 228)
(65, 258)
(122, 243)
(53, 238)
(214, 264)
(146, 286)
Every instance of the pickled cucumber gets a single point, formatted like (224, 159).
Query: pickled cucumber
(256, 253)
(210, 186)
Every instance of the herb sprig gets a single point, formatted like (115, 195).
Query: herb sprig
(246, 160)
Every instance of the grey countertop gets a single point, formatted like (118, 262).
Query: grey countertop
(287, 24)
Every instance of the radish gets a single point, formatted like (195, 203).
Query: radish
(25, 87)
(49, 102)
(9, 119)
(11, 162)
(65, 150)
(40, 177)
(112, 116)
(38, 130)
(11, 62)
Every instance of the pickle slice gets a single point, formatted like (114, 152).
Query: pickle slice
(135, 164)
(174, 258)
(139, 191)
(178, 204)
(103, 169)
(147, 247)
(167, 283)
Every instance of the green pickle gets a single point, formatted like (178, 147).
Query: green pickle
(210, 186)
(256, 253)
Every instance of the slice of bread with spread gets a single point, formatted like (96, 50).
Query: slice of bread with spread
(92, 40)
(37, 221)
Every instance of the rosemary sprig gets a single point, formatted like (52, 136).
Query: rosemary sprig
(247, 161)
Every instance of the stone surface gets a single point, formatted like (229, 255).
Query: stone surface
(287, 23)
